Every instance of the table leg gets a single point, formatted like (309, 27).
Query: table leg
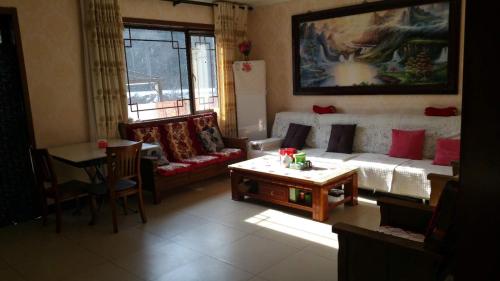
(351, 189)
(320, 204)
(236, 179)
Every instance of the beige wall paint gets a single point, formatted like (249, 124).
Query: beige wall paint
(270, 30)
(51, 37)
(50, 34)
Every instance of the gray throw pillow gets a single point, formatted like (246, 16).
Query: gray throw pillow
(157, 153)
(211, 139)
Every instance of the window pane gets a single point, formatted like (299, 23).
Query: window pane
(204, 69)
(157, 74)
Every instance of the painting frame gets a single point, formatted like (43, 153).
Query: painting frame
(453, 40)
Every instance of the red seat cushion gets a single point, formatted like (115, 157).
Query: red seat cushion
(199, 161)
(447, 150)
(407, 144)
(228, 154)
(174, 169)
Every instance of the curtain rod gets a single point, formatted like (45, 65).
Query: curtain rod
(177, 2)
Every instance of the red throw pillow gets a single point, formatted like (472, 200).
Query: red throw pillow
(447, 150)
(324, 110)
(407, 144)
(445, 112)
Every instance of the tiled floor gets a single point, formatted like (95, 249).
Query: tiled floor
(196, 234)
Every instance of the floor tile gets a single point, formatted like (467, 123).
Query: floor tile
(206, 269)
(209, 237)
(158, 261)
(254, 254)
(116, 245)
(290, 240)
(328, 252)
(241, 219)
(302, 266)
(54, 261)
(172, 224)
(3, 264)
(196, 233)
(104, 272)
(10, 274)
(256, 278)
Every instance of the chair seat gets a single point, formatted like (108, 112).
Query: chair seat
(70, 189)
(102, 188)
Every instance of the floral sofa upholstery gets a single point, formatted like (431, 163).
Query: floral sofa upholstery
(182, 158)
(377, 171)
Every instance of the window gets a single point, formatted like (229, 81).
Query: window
(169, 72)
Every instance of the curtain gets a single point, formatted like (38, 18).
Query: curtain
(104, 62)
(230, 30)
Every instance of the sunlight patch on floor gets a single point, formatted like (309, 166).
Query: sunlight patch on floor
(296, 226)
(366, 200)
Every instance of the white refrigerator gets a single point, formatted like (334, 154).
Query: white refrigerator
(250, 89)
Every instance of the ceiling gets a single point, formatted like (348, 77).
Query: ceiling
(250, 2)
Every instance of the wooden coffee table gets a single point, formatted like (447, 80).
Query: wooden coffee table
(272, 183)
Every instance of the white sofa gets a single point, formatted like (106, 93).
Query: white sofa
(377, 171)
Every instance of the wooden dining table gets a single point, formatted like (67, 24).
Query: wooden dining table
(89, 156)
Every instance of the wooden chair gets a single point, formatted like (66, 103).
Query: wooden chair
(377, 255)
(49, 188)
(123, 180)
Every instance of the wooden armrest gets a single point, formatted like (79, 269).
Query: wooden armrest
(445, 178)
(150, 162)
(346, 230)
(241, 143)
(438, 182)
(404, 214)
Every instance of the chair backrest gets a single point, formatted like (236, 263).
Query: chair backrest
(124, 162)
(43, 169)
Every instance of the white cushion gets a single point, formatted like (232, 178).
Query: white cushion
(375, 170)
(336, 158)
(373, 132)
(410, 178)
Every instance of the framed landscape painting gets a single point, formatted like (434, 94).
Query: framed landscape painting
(386, 47)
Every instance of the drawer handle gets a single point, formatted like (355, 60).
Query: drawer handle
(272, 193)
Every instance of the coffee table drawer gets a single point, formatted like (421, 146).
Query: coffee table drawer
(273, 191)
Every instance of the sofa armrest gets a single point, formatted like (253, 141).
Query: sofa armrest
(150, 162)
(241, 143)
(148, 174)
(404, 214)
(371, 255)
(266, 144)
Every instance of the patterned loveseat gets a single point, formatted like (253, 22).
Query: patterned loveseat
(377, 171)
(186, 159)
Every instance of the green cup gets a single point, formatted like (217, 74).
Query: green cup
(299, 157)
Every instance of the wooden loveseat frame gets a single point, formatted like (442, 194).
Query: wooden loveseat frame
(160, 185)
